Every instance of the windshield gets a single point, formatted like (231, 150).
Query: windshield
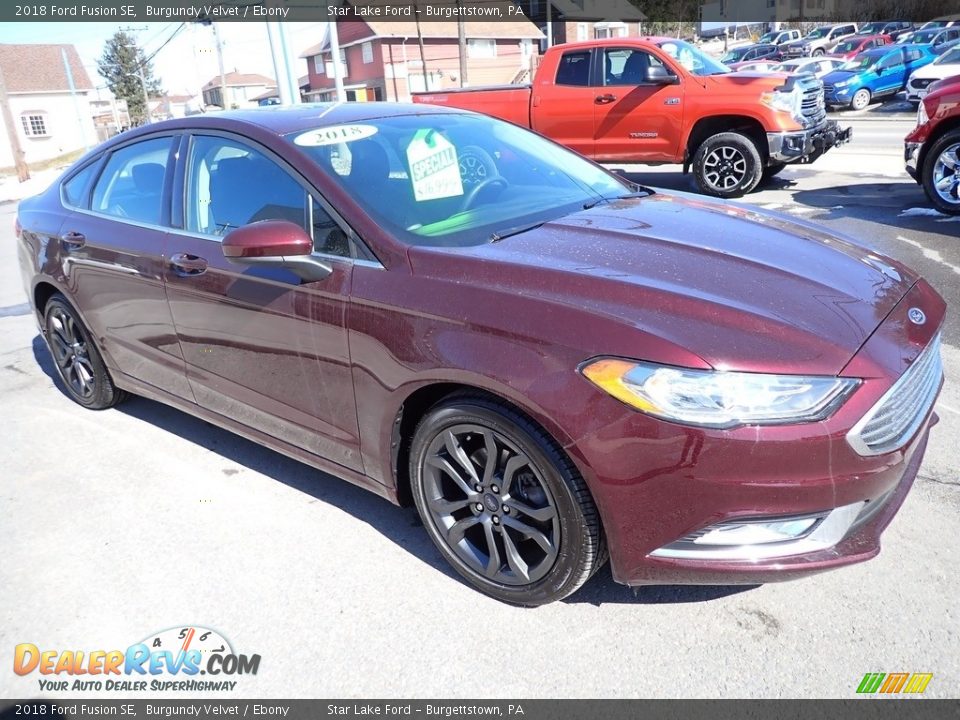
(861, 62)
(769, 37)
(455, 180)
(692, 59)
(818, 33)
(871, 28)
(847, 46)
(950, 57)
(923, 36)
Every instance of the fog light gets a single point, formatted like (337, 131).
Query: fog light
(757, 533)
(763, 538)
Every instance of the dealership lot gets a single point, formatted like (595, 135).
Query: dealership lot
(123, 523)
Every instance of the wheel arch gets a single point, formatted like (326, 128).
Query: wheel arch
(712, 125)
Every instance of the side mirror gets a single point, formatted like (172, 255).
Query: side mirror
(659, 75)
(277, 243)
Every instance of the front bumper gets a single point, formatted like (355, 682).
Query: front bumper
(666, 483)
(911, 156)
(807, 145)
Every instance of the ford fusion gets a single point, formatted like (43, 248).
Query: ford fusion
(554, 366)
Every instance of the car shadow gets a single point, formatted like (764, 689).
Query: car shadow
(399, 525)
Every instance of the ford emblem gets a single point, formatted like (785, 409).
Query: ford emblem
(916, 316)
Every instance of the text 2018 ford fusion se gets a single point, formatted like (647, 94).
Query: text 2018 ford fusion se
(553, 365)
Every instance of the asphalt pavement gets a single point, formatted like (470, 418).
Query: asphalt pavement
(119, 524)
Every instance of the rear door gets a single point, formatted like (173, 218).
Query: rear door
(113, 259)
(562, 106)
(637, 120)
(262, 347)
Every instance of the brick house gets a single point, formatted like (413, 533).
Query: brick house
(381, 60)
(48, 120)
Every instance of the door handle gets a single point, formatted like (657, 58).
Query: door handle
(73, 240)
(185, 264)
(603, 99)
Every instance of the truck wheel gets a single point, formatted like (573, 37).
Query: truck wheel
(819, 52)
(941, 173)
(860, 100)
(727, 165)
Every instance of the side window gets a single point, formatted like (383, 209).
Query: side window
(230, 185)
(574, 69)
(131, 184)
(623, 66)
(892, 60)
(75, 189)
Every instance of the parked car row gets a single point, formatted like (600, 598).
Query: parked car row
(947, 65)
(877, 73)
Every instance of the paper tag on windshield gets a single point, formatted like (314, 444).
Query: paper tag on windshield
(434, 170)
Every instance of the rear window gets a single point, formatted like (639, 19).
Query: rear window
(574, 69)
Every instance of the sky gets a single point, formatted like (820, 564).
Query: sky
(189, 60)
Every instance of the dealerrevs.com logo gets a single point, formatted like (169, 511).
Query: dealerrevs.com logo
(188, 659)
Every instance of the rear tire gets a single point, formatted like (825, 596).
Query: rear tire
(78, 361)
(531, 533)
(941, 182)
(727, 165)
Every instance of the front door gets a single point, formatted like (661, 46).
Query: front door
(563, 111)
(639, 119)
(262, 347)
(891, 74)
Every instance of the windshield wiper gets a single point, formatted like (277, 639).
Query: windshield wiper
(501, 234)
(640, 192)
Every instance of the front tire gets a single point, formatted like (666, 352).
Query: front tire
(860, 100)
(941, 173)
(819, 52)
(503, 504)
(727, 165)
(78, 361)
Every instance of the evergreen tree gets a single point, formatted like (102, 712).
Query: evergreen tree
(120, 65)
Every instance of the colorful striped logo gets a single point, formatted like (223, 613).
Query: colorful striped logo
(894, 683)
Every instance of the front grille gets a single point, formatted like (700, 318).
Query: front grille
(899, 413)
(813, 107)
(921, 83)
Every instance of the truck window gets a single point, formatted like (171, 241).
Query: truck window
(625, 66)
(574, 69)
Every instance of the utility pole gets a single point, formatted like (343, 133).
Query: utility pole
(423, 54)
(223, 76)
(146, 96)
(23, 172)
(335, 55)
(462, 42)
(73, 95)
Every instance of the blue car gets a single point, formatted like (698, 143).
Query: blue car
(873, 74)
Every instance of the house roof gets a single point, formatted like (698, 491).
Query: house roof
(39, 68)
(238, 79)
(440, 29)
(302, 82)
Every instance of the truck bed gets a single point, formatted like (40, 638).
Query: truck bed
(507, 102)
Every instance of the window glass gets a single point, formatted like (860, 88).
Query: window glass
(891, 61)
(328, 237)
(366, 50)
(574, 69)
(230, 185)
(131, 184)
(75, 189)
(623, 66)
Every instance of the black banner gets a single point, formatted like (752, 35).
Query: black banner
(641, 11)
(865, 709)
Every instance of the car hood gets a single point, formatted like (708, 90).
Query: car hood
(739, 288)
(936, 71)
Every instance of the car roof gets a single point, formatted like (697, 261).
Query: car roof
(283, 119)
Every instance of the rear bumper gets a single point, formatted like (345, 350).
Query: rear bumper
(807, 145)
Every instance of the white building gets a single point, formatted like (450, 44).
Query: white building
(48, 120)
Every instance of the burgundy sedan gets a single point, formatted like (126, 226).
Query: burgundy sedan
(554, 366)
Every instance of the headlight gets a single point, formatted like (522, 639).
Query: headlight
(842, 84)
(922, 116)
(718, 399)
(790, 102)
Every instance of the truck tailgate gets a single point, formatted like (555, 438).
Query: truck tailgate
(507, 102)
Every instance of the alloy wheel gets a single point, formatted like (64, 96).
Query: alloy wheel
(946, 174)
(70, 352)
(473, 170)
(860, 99)
(488, 501)
(725, 168)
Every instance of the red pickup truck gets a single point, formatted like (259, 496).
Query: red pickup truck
(660, 100)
